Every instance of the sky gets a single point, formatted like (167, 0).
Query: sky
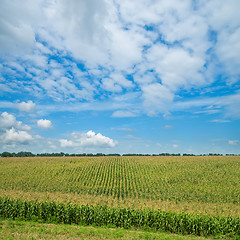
(118, 76)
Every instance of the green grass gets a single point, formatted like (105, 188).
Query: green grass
(16, 230)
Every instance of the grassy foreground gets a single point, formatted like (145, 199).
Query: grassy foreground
(16, 230)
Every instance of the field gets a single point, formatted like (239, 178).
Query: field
(206, 185)
(22, 230)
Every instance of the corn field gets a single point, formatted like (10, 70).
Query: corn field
(198, 195)
(119, 217)
(191, 179)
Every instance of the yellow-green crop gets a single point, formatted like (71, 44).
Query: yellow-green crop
(209, 185)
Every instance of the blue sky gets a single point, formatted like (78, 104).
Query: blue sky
(117, 76)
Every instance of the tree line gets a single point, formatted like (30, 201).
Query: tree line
(62, 154)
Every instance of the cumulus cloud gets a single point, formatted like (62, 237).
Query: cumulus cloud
(16, 136)
(28, 106)
(89, 139)
(223, 18)
(44, 123)
(8, 121)
(164, 46)
(13, 131)
(176, 67)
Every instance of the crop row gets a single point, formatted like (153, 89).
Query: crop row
(203, 180)
(183, 223)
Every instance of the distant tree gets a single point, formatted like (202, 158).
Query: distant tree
(100, 154)
(25, 154)
(188, 154)
(89, 155)
(113, 154)
(6, 154)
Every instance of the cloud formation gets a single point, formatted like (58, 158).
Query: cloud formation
(44, 123)
(164, 47)
(28, 106)
(16, 136)
(89, 139)
(13, 131)
(8, 121)
(119, 59)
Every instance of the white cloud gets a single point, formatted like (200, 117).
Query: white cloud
(67, 143)
(167, 46)
(221, 13)
(15, 37)
(176, 67)
(16, 136)
(233, 142)
(126, 47)
(44, 123)
(223, 18)
(17, 25)
(116, 82)
(13, 131)
(228, 50)
(109, 85)
(89, 139)
(156, 98)
(8, 121)
(28, 106)
(230, 104)
(144, 78)
(84, 34)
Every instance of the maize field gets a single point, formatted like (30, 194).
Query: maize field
(206, 188)
(120, 217)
